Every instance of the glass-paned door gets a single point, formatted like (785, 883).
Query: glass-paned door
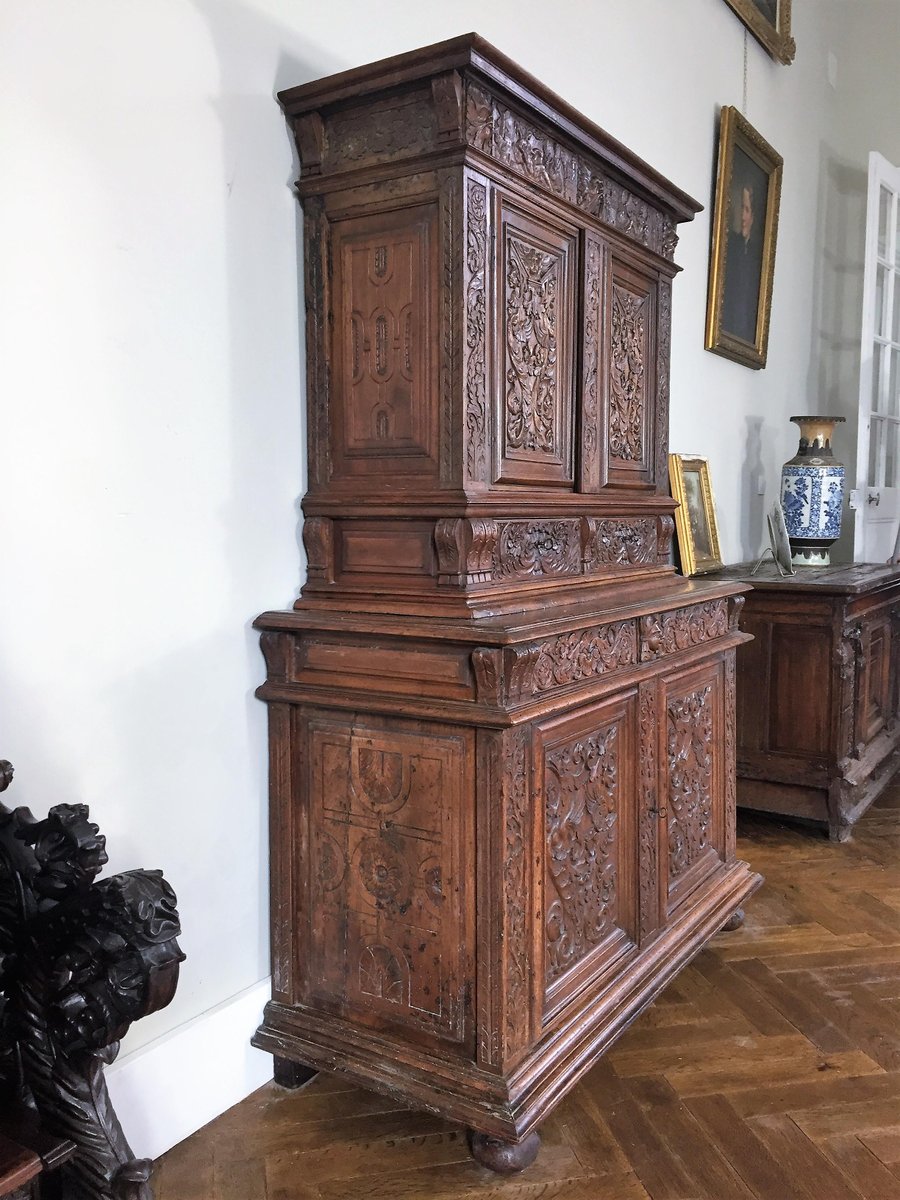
(878, 459)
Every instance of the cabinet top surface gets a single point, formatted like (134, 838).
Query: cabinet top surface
(472, 53)
(848, 579)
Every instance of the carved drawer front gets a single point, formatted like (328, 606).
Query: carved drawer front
(631, 375)
(692, 737)
(386, 347)
(383, 875)
(584, 774)
(535, 292)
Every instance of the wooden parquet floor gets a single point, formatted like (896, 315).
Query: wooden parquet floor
(770, 1068)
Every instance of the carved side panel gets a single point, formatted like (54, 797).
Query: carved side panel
(535, 286)
(505, 872)
(387, 353)
(477, 432)
(663, 356)
(385, 885)
(652, 812)
(730, 748)
(317, 300)
(593, 392)
(631, 378)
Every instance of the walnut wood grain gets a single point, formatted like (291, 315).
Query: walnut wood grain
(501, 773)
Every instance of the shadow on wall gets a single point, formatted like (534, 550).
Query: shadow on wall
(837, 313)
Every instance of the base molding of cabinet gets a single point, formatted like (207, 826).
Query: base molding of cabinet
(509, 1105)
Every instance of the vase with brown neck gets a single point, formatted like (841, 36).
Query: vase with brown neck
(812, 493)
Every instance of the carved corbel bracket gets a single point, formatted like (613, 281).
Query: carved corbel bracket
(504, 676)
(309, 132)
(466, 551)
(318, 542)
(447, 92)
(735, 607)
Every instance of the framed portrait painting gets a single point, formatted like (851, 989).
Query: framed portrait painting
(695, 517)
(745, 229)
(770, 23)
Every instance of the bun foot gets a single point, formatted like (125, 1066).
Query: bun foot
(735, 921)
(501, 1156)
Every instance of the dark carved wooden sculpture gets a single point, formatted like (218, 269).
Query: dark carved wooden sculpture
(502, 728)
(79, 962)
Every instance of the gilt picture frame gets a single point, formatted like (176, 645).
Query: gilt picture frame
(696, 530)
(745, 231)
(770, 23)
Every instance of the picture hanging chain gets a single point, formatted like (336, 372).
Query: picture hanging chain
(744, 105)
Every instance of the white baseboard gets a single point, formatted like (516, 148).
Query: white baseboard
(176, 1084)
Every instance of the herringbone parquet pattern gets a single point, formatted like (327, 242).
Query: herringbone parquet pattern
(770, 1069)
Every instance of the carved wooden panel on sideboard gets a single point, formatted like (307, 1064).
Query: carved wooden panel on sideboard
(502, 729)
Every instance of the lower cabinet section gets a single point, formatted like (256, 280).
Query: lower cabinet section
(471, 901)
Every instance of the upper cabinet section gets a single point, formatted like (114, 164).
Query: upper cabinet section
(488, 282)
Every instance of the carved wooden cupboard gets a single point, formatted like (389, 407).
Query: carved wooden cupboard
(502, 728)
(819, 691)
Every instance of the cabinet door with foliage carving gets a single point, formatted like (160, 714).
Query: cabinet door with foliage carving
(584, 785)
(534, 378)
(631, 376)
(692, 751)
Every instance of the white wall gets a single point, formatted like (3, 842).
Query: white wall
(152, 382)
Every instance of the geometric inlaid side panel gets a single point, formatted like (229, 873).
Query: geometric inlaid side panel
(387, 358)
(384, 875)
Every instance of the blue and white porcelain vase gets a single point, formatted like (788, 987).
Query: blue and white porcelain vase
(812, 493)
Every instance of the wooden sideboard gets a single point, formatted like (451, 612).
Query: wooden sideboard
(818, 735)
(502, 729)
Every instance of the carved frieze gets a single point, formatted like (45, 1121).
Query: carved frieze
(476, 327)
(581, 789)
(690, 761)
(585, 654)
(627, 383)
(669, 632)
(530, 549)
(524, 148)
(532, 368)
(380, 132)
(621, 542)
